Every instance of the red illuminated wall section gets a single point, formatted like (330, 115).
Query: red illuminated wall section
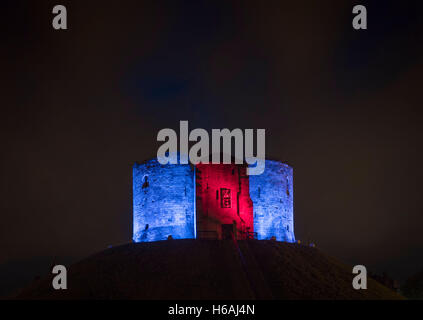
(223, 204)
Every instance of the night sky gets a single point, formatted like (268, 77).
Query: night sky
(342, 107)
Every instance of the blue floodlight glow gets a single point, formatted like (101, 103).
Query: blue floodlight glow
(272, 194)
(163, 201)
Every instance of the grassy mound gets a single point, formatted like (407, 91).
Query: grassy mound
(208, 269)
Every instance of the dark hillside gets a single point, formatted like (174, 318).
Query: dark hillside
(413, 287)
(208, 269)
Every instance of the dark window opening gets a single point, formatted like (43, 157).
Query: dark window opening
(217, 194)
(225, 198)
(145, 184)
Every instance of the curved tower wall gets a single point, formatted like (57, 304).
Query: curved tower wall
(163, 204)
(272, 194)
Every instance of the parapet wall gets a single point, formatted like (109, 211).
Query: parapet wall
(272, 194)
(163, 198)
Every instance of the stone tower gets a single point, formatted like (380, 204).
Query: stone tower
(212, 200)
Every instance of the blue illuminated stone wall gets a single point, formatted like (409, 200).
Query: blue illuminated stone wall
(272, 194)
(163, 198)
